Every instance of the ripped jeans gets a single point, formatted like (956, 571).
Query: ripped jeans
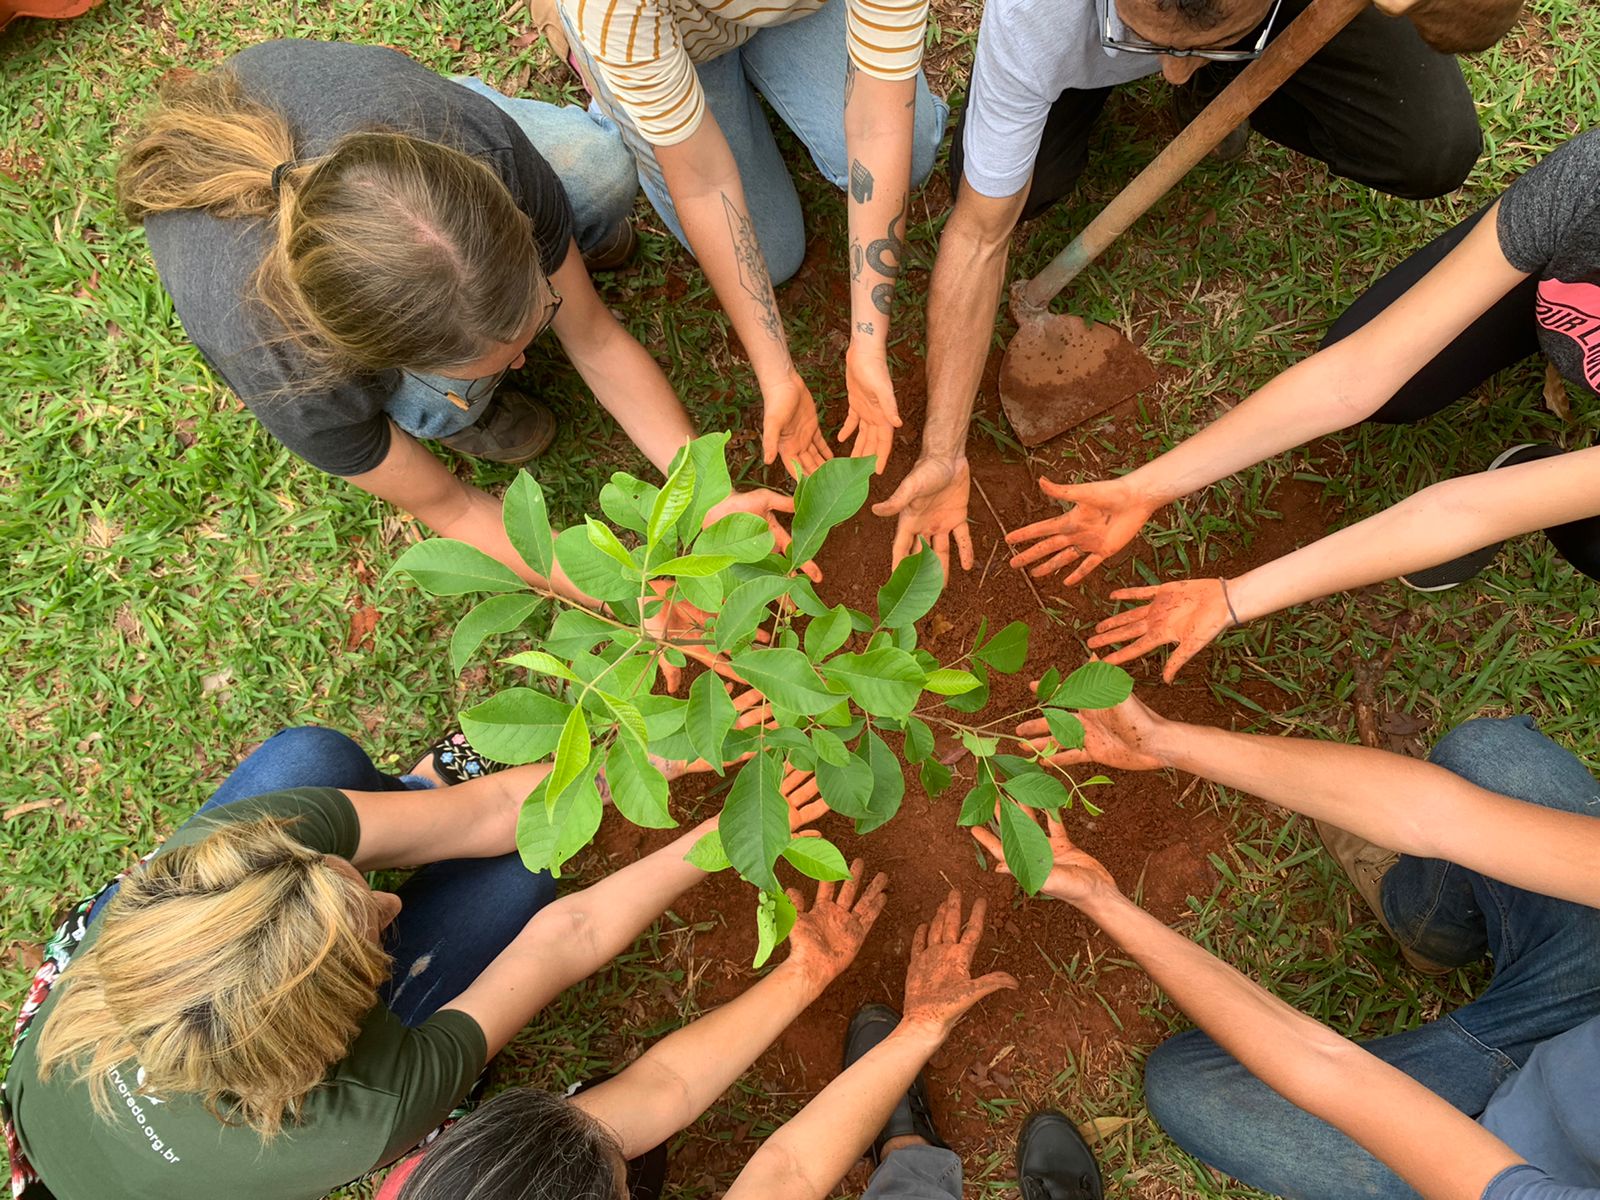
(455, 916)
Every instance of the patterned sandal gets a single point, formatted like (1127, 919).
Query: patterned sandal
(455, 761)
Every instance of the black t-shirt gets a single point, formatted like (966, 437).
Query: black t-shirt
(1549, 226)
(326, 90)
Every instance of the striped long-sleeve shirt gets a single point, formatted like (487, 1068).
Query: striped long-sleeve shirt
(645, 50)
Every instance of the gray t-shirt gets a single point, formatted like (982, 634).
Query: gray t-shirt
(1549, 226)
(1549, 1112)
(1029, 52)
(326, 90)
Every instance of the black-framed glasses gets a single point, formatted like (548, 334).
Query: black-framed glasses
(480, 389)
(1112, 39)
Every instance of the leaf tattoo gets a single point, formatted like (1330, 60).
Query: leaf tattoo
(858, 258)
(753, 277)
(860, 181)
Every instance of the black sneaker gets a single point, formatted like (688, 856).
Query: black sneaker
(513, 429)
(1054, 1162)
(1189, 100)
(1458, 570)
(911, 1117)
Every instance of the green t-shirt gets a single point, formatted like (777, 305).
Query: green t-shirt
(395, 1085)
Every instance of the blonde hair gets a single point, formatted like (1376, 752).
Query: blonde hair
(388, 251)
(237, 970)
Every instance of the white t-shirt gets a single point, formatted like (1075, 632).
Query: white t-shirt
(1029, 52)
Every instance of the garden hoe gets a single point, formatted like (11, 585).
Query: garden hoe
(1060, 370)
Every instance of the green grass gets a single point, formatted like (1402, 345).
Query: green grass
(177, 587)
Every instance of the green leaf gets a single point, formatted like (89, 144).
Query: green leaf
(572, 754)
(527, 524)
(919, 740)
(547, 839)
(847, 788)
(1065, 728)
(673, 501)
(592, 569)
(629, 719)
(742, 536)
(708, 854)
(885, 682)
(807, 600)
(978, 807)
(663, 715)
(827, 633)
(446, 567)
(755, 820)
(1038, 790)
(745, 609)
(977, 699)
(834, 492)
(602, 538)
(638, 789)
(712, 486)
(1027, 848)
(1094, 685)
(947, 681)
(1048, 683)
(497, 614)
(697, 566)
(1007, 650)
(706, 594)
(905, 637)
(627, 501)
(816, 858)
(775, 917)
(709, 717)
(982, 747)
(576, 631)
(541, 663)
(825, 744)
(785, 677)
(518, 725)
(935, 777)
(888, 784)
(911, 590)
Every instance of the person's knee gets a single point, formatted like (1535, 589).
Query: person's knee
(1487, 750)
(785, 250)
(1178, 1090)
(616, 182)
(1438, 159)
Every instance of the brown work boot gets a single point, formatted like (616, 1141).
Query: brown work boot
(1190, 99)
(513, 429)
(1366, 864)
(614, 251)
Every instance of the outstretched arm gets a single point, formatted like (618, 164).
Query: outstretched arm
(666, 1088)
(1441, 1152)
(1334, 388)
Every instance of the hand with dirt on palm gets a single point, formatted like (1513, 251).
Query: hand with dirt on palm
(1187, 614)
(1104, 517)
(1122, 737)
(931, 503)
(1075, 877)
(939, 984)
(827, 937)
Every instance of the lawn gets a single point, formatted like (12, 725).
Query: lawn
(172, 572)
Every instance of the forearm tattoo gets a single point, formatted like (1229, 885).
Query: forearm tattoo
(860, 181)
(849, 80)
(884, 256)
(753, 277)
(864, 327)
(858, 258)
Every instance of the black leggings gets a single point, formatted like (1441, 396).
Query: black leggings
(1502, 337)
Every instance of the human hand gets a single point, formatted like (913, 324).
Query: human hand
(827, 937)
(753, 710)
(1074, 877)
(1119, 737)
(874, 413)
(939, 984)
(789, 428)
(931, 503)
(674, 620)
(800, 791)
(766, 504)
(1104, 518)
(1189, 614)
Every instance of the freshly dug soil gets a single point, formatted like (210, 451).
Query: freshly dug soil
(1075, 1003)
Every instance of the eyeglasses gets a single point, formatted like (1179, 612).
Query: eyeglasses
(1110, 40)
(482, 388)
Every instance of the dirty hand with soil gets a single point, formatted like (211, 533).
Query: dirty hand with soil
(1104, 517)
(931, 504)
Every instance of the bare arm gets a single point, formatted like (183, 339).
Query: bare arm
(476, 819)
(1458, 26)
(619, 371)
(967, 278)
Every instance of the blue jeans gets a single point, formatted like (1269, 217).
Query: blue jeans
(586, 152)
(1546, 981)
(455, 916)
(799, 67)
(916, 1173)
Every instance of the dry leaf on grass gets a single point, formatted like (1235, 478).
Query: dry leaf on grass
(1556, 398)
(1097, 1129)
